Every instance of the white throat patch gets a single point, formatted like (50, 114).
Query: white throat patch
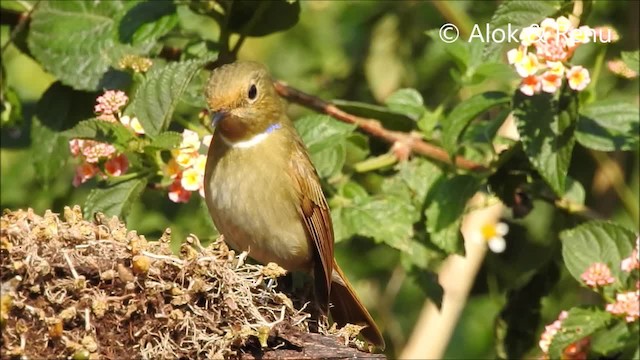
(255, 140)
(245, 144)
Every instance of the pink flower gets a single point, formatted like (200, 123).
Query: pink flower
(109, 104)
(632, 262)
(530, 85)
(75, 146)
(84, 172)
(597, 274)
(627, 305)
(550, 331)
(177, 193)
(578, 78)
(94, 150)
(116, 166)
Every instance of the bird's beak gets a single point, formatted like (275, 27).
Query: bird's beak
(217, 116)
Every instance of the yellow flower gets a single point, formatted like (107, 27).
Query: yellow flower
(493, 235)
(190, 140)
(556, 67)
(133, 124)
(191, 180)
(563, 24)
(528, 65)
(530, 35)
(578, 78)
(515, 56)
(185, 158)
(172, 169)
(200, 164)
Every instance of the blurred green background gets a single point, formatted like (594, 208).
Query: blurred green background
(361, 50)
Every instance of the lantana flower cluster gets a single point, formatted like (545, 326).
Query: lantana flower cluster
(627, 303)
(98, 158)
(187, 165)
(541, 59)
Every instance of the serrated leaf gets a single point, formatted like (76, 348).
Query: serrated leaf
(386, 219)
(391, 119)
(270, 16)
(574, 191)
(546, 130)
(516, 15)
(611, 340)
(51, 153)
(463, 113)
(631, 58)
(76, 40)
(325, 139)
(114, 200)
(406, 101)
(596, 241)
(609, 125)
(446, 201)
(579, 324)
(61, 107)
(103, 131)
(167, 140)
(159, 94)
(413, 180)
(147, 21)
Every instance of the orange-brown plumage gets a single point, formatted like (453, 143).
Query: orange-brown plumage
(264, 194)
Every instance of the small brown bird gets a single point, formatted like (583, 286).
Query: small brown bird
(264, 194)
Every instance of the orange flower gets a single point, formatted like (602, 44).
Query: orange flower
(530, 85)
(551, 82)
(116, 166)
(177, 193)
(84, 172)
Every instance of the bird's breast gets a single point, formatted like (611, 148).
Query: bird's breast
(252, 201)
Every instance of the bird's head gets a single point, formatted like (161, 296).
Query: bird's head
(242, 100)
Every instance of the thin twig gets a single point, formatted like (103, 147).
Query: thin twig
(373, 127)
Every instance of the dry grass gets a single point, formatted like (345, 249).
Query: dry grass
(88, 290)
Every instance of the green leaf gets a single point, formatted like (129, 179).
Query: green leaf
(51, 153)
(61, 107)
(631, 59)
(103, 131)
(158, 95)
(408, 102)
(463, 113)
(147, 21)
(609, 125)
(413, 180)
(428, 283)
(391, 119)
(516, 15)
(610, 341)
(596, 241)
(446, 201)
(76, 40)
(386, 219)
(579, 324)
(574, 192)
(114, 200)
(167, 140)
(546, 129)
(17, 5)
(519, 319)
(270, 16)
(326, 140)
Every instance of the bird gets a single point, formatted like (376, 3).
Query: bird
(264, 194)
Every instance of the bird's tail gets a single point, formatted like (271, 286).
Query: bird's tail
(347, 308)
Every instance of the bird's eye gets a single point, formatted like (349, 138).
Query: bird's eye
(253, 92)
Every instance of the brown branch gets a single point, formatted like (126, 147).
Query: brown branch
(373, 127)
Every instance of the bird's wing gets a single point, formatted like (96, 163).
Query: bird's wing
(315, 214)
